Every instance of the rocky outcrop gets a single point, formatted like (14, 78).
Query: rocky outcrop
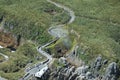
(84, 72)
(111, 72)
(98, 63)
(7, 40)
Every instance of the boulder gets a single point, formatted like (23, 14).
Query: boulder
(98, 63)
(89, 75)
(82, 70)
(105, 62)
(111, 71)
(62, 60)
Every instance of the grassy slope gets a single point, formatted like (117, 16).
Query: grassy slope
(93, 23)
(30, 19)
(18, 61)
(98, 23)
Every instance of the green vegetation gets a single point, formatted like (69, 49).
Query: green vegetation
(58, 64)
(98, 23)
(59, 48)
(31, 19)
(1, 58)
(18, 60)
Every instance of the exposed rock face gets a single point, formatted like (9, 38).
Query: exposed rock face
(84, 72)
(98, 63)
(111, 71)
(8, 40)
(63, 60)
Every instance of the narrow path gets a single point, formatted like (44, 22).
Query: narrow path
(56, 34)
(5, 56)
(71, 13)
(59, 31)
(1, 46)
(6, 59)
(56, 31)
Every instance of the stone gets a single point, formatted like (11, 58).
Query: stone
(105, 62)
(111, 71)
(89, 75)
(82, 70)
(98, 63)
(62, 60)
(73, 76)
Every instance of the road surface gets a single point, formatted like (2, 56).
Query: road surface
(5, 56)
(6, 59)
(57, 32)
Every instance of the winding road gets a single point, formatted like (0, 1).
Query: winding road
(57, 31)
(5, 56)
(71, 13)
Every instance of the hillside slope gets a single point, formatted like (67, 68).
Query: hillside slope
(98, 24)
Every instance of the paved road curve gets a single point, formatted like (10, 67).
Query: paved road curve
(71, 13)
(56, 31)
